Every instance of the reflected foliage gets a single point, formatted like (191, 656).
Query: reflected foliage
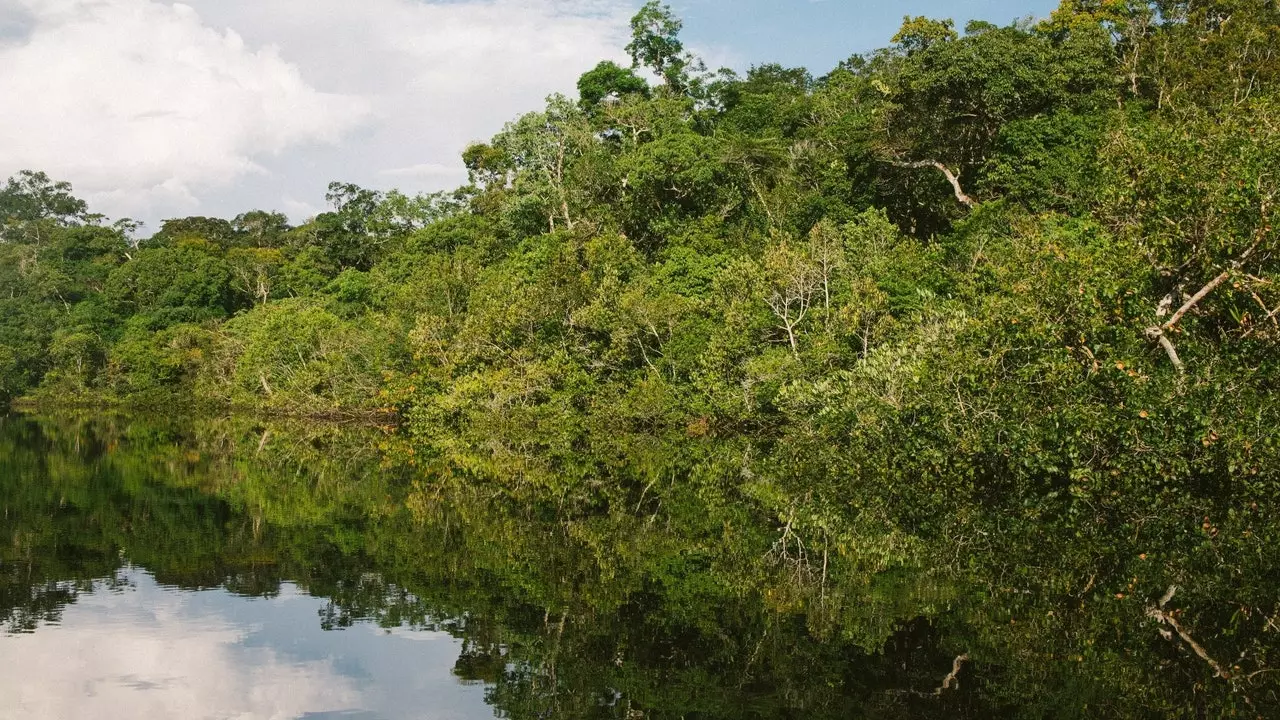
(648, 573)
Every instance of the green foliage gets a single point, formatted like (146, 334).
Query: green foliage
(31, 197)
(10, 379)
(187, 282)
(173, 232)
(920, 33)
(656, 45)
(655, 568)
(1008, 296)
(297, 355)
(609, 81)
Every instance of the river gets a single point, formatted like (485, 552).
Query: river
(237, 568)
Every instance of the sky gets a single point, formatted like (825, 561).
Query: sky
(155, 109)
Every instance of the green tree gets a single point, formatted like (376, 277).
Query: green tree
(30, 197)
(542, 148)
(608, 80)
(656, 45)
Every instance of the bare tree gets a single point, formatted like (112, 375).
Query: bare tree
(794, 279)
(826, 247)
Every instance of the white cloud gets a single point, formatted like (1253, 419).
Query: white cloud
(157, 109)
(152, 655)
(151, 651)
(428, 172)
(142, 105)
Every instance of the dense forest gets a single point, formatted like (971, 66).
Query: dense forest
(1009, 294)
(1023, 220)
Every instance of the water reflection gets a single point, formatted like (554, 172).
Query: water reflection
(235, 568)
(138, 649)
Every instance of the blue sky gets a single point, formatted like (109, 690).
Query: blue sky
(818, 34)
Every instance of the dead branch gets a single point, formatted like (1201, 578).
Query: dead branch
(950, 682)
(1195, 299)
(1088, 586)
(1159, 615)
(952, 178)
(953, 678)
(1159, 333)
(1271, 316)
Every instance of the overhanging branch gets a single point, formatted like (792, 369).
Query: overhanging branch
(1159, 333)
(952, 178)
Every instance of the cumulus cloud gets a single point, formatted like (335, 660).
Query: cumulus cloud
(153, 655)
(149, 651)
(157, 109)
(141, 104)
(437, 75)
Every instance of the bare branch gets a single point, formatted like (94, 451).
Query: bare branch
(1157, 333)
(1157, 614)
(1271, 316)
(1195, 299)
(951, 681)
(953, 678)
(952, 178)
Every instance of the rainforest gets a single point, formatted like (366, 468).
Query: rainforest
(940, 385)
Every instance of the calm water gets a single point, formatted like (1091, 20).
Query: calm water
(230, 568)
(134, 647)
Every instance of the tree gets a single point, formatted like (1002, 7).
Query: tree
(32, 196)
(792, 280)
(10, 375)
(541, 148)
(950, 97)
(347, 234)
(76, 358)
(826, 248)
(920, 33)
(256, 270)
(655, 44)
(261, 229)
(487, 166)
(770, 100)
(188, 282)
(1199, 197)
(608, 81)
(214, 230)
(1218, 53)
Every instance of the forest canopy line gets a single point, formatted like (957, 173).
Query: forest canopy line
(1023, 234)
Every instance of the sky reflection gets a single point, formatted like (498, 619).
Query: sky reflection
(149, 651)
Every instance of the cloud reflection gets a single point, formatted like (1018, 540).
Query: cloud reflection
(154, 652)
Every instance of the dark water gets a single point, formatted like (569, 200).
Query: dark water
(238, 569)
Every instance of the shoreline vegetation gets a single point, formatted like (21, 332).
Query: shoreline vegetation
(35, 406)
(1004, 295)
